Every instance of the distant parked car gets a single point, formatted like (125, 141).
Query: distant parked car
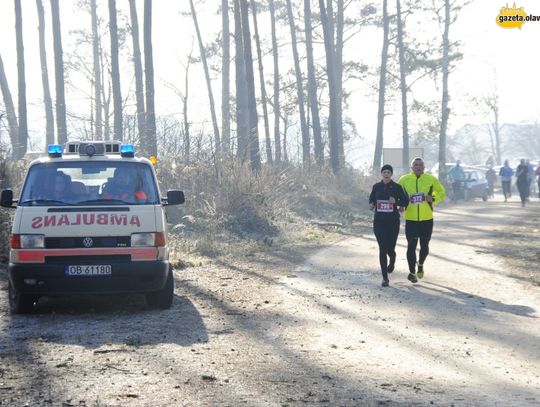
(475, 185)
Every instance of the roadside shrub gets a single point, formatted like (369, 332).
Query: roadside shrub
(229, 202)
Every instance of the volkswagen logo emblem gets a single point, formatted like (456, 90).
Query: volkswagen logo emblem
(88, 242)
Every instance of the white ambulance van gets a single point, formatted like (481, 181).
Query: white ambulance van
(89, 219)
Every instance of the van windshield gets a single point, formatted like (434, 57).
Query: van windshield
(89, 183)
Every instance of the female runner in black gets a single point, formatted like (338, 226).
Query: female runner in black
(387, 199)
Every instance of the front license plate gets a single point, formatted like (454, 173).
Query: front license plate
(88, 270)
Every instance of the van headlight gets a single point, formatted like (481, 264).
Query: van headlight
(148, 239)
(29, 242)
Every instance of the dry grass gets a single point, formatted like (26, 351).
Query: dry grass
(231, 209)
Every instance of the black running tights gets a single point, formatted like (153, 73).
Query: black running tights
(414, 231)
(386, 233)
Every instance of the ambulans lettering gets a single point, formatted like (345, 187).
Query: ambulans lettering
(50, 221)
(135, 221)
(88, 218)
(119, 220)
(36, 222)
(47, 221)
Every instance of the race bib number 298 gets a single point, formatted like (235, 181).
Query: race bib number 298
(384, 206)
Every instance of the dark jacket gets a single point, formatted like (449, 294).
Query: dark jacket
(381, 193)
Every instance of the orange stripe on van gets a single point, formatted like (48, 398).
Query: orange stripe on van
(137, 253)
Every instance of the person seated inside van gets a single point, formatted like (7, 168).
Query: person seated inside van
(61, 188)
(123, 187)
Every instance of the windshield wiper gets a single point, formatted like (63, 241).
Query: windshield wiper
(104, 202)
(47, 201)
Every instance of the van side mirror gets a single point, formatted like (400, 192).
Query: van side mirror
(175, 197)
(6, 198)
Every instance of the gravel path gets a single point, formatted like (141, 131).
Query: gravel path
(296, 327)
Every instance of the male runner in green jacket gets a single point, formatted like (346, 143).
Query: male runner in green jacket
(424, 191)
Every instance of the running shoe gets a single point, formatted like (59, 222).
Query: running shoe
(412, 278)
(420, 272)
(385, 283)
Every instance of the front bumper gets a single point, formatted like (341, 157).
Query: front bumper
(126, 277)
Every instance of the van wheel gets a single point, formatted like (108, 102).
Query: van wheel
(485, 198)
(163, 298)
(20, 303)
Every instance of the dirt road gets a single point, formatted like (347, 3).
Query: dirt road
(298, 327)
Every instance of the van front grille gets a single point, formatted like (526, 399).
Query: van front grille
(79, 242)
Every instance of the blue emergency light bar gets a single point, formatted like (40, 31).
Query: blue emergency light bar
(127, 150)
(54, 150)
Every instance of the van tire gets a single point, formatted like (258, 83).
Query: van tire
(163, 298)
(20, 303)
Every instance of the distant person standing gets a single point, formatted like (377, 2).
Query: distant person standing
(424, 190)
(387, 199)
(456, 175)
(522, 175)
(491, 178)
(506, 174)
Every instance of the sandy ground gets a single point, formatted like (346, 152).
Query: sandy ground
(296, 327)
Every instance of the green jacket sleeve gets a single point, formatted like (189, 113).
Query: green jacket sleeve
(438, 191)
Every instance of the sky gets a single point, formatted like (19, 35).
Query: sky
(495, 59)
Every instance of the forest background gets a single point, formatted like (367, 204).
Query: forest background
(292, 97)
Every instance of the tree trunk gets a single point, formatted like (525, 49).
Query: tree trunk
(491, 141)
(187, 137)
(312, 87)
(208, 82)
(253, 135)
(13, 126)
(333, 122)
(225, 80)
(97, 72)
(20, 149)
(444, 103)
(339, 79)
(492, 102)
(299, 89)
(382, 89)
(49, 116)
(150, 119)
(137, 62)
(497, 131)
(263, 86)
(403, 88)
(61, 126)
(242, 115)
(106, 101)
(277, 137)
(330, 20)
(285, 132)
(115, 72)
